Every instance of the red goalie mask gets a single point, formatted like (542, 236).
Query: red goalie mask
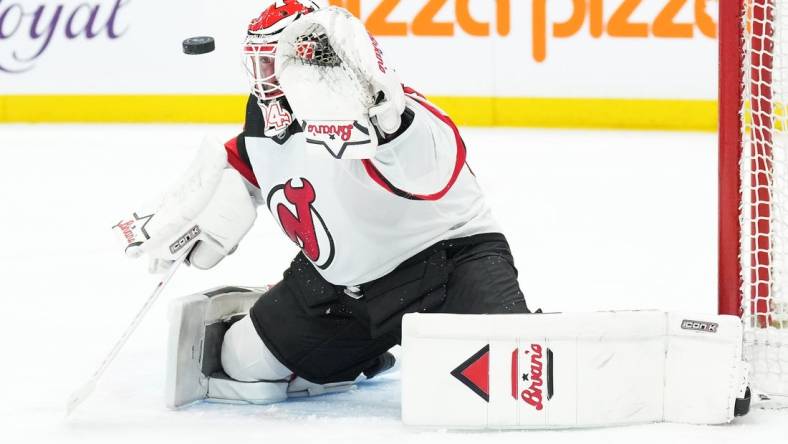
(260, 45)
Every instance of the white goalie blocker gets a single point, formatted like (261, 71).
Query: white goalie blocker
(545, 371)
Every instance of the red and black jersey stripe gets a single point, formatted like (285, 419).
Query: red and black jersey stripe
(238, 158)
(381, 180)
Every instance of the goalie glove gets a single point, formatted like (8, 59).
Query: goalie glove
(205, 215)
(338, 84)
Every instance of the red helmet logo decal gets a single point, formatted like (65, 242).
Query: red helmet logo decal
(280, 10)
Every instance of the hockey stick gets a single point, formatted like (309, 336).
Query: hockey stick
(86, 389)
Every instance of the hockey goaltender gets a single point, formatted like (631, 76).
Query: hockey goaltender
(398, 246)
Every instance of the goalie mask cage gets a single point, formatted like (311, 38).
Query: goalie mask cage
(753, 220)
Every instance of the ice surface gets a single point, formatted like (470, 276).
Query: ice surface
(597, 220)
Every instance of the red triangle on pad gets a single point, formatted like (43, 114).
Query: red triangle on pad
(475, 373)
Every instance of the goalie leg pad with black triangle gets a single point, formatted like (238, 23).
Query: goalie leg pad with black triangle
(545, 371)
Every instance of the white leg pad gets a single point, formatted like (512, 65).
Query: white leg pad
(188, 358)
(570, 370)
(194, 358)
(246, 358)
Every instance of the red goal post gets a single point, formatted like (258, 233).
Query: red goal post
(753, 182)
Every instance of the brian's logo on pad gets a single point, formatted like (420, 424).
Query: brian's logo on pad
(475, 373)
(536, 375)
(531, 374)
(332, 131)
(132, 230)
(343, 139)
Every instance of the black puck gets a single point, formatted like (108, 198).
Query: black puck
(198, 45)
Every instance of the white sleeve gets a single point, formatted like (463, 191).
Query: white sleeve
(421, 161)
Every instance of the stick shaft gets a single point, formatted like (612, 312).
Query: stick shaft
(86, 389)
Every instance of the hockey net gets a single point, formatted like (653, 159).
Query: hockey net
(754, 182)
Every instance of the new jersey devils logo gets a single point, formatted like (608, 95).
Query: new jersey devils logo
(292, 205)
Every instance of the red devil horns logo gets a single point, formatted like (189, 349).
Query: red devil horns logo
(300, 227)
(280, 10)
(293, 207)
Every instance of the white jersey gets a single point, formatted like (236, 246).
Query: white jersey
(357, 220)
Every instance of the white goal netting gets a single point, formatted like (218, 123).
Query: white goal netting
(764, 196)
